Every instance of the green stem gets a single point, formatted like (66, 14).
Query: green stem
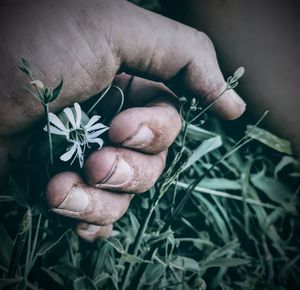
(137, 243)
(209, 106)
(35, 242)
(46, 108)
(99, 99)
(19, 244)
(26, 271)
(171, 218)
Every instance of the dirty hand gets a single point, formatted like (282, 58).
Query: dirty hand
(89, 43)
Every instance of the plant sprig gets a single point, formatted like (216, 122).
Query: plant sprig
(44, 94)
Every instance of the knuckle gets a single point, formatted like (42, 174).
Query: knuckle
(205, 41)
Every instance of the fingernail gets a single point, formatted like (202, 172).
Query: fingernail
(237, 99)
(141, 138)
(121, 174)
(77, 200)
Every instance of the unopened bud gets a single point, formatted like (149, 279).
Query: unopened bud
(38, 84)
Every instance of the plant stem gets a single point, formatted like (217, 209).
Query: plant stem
(213, 192)
(46, 108)
(35, 242)
(28, 253)
(99, 99)
(177, 210)
(137, 242)
(160, 193)
(19, 244)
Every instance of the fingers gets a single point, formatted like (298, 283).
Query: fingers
(114, 169)
(123, 170)
(176, 54)
(89, 41)
(149, 129)
(69, 196)
(92, 232)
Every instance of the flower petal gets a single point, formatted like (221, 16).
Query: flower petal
(54, 130)
(97, 133)
(96, 140)
(70, 116)
(68, 155)
(96, 127)
(57, 122)
(81, 161)
(80, 155)
(92, 121)
(78, 114)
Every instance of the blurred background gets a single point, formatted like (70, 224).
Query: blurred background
(263, 36)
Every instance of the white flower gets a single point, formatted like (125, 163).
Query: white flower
(78, 134)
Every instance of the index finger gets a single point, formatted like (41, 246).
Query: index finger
(182, 57)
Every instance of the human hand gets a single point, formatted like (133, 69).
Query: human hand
(88, 43)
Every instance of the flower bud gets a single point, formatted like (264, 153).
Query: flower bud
(38, 84)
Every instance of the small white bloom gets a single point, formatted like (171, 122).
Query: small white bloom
(38, 84)
(79, 135)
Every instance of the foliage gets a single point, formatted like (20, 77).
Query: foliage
(224, 215)
(238, 229)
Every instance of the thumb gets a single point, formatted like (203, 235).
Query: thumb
(159, 48)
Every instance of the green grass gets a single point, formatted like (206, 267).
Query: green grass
(236, 230)
(224, 215)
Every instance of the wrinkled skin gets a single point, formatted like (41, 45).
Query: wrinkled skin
(90, 43)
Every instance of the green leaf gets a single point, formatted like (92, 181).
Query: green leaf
(205, 147)
(50, 242)
(68, 271)
(133, 259)
(56, 91)
(285, 161)
(54, 276)
(47, 96)
(152, 273)
(274, 189)
(160, 237)
(9, 281)
(199, 134)
(84, 283)
(229, 248)
(225, 262)
(20, 286)
(116, 244)
(24, 66)
(102, 256)
(135, 225)
(19, 243)
(273, 217)
(6, 246)
(213, 216)
(99, 279)
(269, 139)
(221, 184)
(186, 264)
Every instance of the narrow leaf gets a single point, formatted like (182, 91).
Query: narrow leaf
(269, 139)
